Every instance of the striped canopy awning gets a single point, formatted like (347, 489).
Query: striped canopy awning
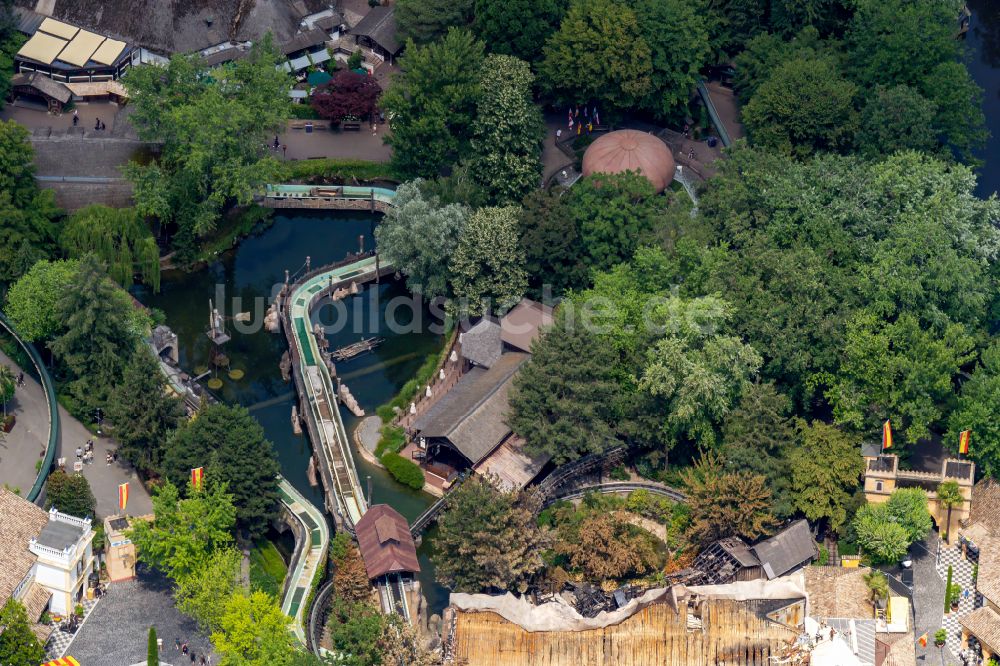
(65, 661)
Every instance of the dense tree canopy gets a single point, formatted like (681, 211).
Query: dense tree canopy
(118, 238)
(27, 233)
(597, 54)
(417, 235)
(432, 103)
(517, 27)
(896, 118)
(142, 428)
(726, 503)
(253, 630)
(424, 21)
(978, 409)
(18, 644)
(349, 94)
(230, 443)
(803, 106)
(508, 132)
(825, 469)
(32, 301)
(214, 127)
(488, 539)
(70, 493)
(487, 267)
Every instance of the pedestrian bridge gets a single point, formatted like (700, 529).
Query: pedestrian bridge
(335, 197)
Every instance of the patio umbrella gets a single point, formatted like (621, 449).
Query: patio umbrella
(318, 78)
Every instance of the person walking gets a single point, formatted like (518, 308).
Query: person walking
(558, 134)
(177, 644)
(276, 142)
(76, 117)
(79, 452)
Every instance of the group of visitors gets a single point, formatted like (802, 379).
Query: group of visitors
(98, 123)
(185, 649)
(86, 452)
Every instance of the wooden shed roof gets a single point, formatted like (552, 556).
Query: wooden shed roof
(385, 542)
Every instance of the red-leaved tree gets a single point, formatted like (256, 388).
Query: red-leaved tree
(347, 94)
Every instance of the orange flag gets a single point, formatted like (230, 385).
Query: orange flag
(923, 640)
(886, 435)
(963, 441)
(196, 476)
(123, 496)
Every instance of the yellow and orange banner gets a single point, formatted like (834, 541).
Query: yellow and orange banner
(886, 435)
(923, 640)
(64, 661)
(197, 474)
(123, 496)
(963, 441)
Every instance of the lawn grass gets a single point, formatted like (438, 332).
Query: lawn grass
(267, 568)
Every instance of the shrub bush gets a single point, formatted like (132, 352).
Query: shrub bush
(336, 169)
(393, 440)
(405, 471)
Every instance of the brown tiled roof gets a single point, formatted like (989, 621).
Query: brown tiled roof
(482, 344)
(988, 579)
(788, 549)
(838, 592)
(305, 40)
(385, 542)
(984, 624)
(902, 651)
(35, 600)
(523, 324)
(20, 521)
(44, 85)
(42, 632)
(986, 505)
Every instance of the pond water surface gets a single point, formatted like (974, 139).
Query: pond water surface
(243, 280)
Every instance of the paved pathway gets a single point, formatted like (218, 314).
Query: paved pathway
(361, 145)
(928, 599)
(117, 629)
(24, 446)
(962, 576)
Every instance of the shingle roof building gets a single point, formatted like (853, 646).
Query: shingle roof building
(385, 542)
(471, 418)
(787, 550)
(20, 522)
(379, 26)
(482, 344)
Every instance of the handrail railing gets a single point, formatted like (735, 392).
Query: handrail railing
(713, 114)
(614, 487)
(48, 387)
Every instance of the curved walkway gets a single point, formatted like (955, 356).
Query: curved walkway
(310, 554)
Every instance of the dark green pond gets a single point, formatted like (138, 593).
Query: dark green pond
(243, 280)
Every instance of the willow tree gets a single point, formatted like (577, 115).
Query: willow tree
(119, 238)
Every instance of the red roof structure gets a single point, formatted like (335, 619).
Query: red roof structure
(386, 543)
(631, 150)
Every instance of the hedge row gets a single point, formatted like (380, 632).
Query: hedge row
(336, 169)
(405, 471)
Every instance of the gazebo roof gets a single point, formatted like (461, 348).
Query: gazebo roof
(631, 150)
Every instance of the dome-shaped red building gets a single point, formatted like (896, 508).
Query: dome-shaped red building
(631, 150)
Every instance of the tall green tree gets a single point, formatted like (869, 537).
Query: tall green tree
(487, 267)
(726, 504)
(949, 495)
(488, 538)
(757, 436)
(825, 468)
(203, 592)
(803, 107)
(27, 233)
(213, 126)
(253, 631)
(432, 103)
(508, 131)
(958, 102)
(32, 301)
(898, 371)
(695, 373)
(230, 443)
(184, 533)
(97, 336)
(517, 27)
(118, 238)
(884, 541)
(598, 54)
(564, 398)
(615, 214)
(978, 409)
(18, 644)
(143, 427)
(677, 34)
(417, 235)
(425, 21)
(550, 238)
(152, 649)
(896, 118)
(70, 493)
(355, 629)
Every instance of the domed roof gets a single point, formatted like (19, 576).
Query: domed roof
(631, 150)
